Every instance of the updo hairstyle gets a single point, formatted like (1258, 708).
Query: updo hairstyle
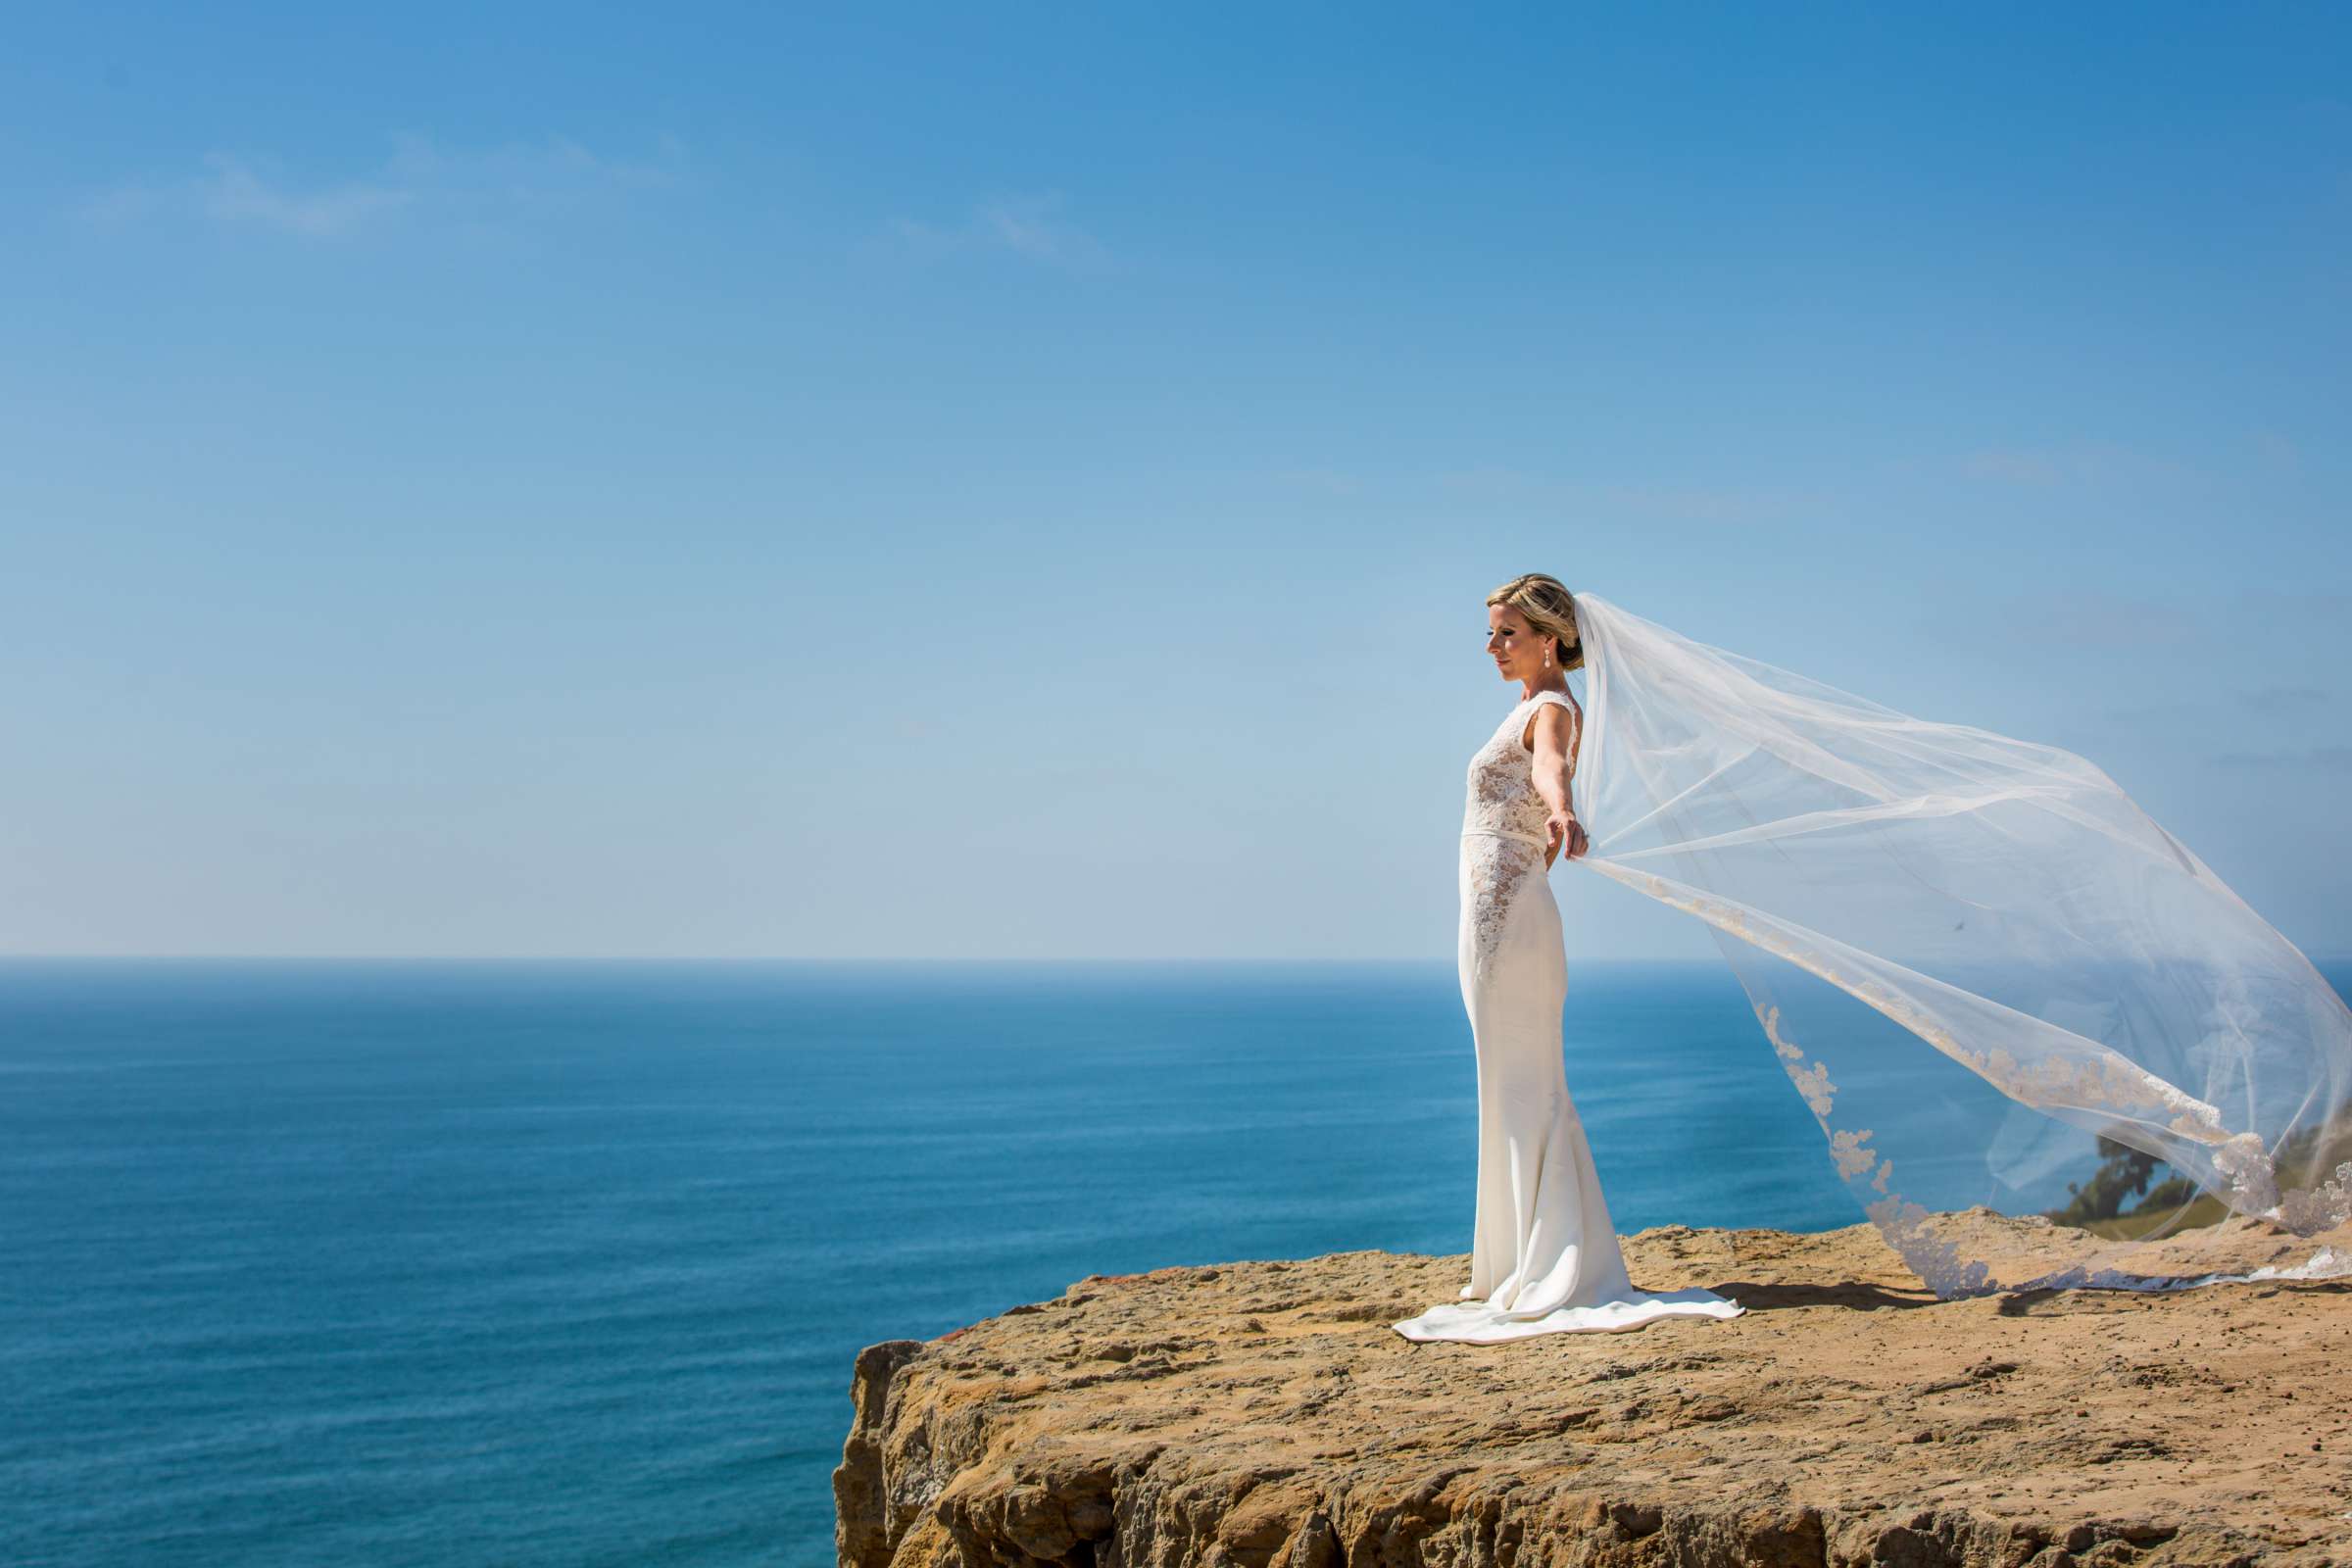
(1550, 609)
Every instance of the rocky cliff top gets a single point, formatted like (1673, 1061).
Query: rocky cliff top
(1265, 1413)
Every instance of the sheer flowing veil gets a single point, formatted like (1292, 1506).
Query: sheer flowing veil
(1993, 979)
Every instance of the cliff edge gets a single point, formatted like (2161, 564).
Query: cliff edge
(1264, 1413)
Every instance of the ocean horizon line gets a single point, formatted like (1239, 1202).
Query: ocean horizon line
(1445, 961)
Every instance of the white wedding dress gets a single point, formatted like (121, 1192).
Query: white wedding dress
(1544, 1254)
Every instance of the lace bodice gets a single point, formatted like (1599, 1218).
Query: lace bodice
(1502, 826)
(1502, 796)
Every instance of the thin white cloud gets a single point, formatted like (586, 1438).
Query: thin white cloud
(2079, 463)
(2277, 448)
(1492, 481)
(2316, 758)
(1668, 502)
(229, 192)
(2323, 606)
(2285, 702)
(1691, 503)
(1025, 225)
(2090, 618)
(2094, 618)
(2290, 704)
(2017, 467)
(1322, 481)
(421, 178)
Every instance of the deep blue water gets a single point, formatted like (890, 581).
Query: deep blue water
(567, 1262)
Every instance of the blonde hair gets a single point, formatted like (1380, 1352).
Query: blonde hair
(1550, 607)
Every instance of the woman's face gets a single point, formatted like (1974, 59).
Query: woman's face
(1516, 647)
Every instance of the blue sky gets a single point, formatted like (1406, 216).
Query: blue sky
(1023, 481)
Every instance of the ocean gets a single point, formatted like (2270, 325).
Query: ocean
(567, 1262)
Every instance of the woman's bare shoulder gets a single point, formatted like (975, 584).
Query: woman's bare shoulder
(1560, 719)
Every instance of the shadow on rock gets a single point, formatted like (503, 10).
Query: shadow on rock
(1852, 1294)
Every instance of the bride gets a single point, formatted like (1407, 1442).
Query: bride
(1975, 952)
(1544, 1258)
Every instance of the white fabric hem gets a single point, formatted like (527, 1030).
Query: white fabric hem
(1481, 1323)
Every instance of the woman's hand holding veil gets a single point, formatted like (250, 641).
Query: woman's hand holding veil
(1562, 829)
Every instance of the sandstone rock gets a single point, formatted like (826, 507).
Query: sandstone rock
(1264, 1415)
